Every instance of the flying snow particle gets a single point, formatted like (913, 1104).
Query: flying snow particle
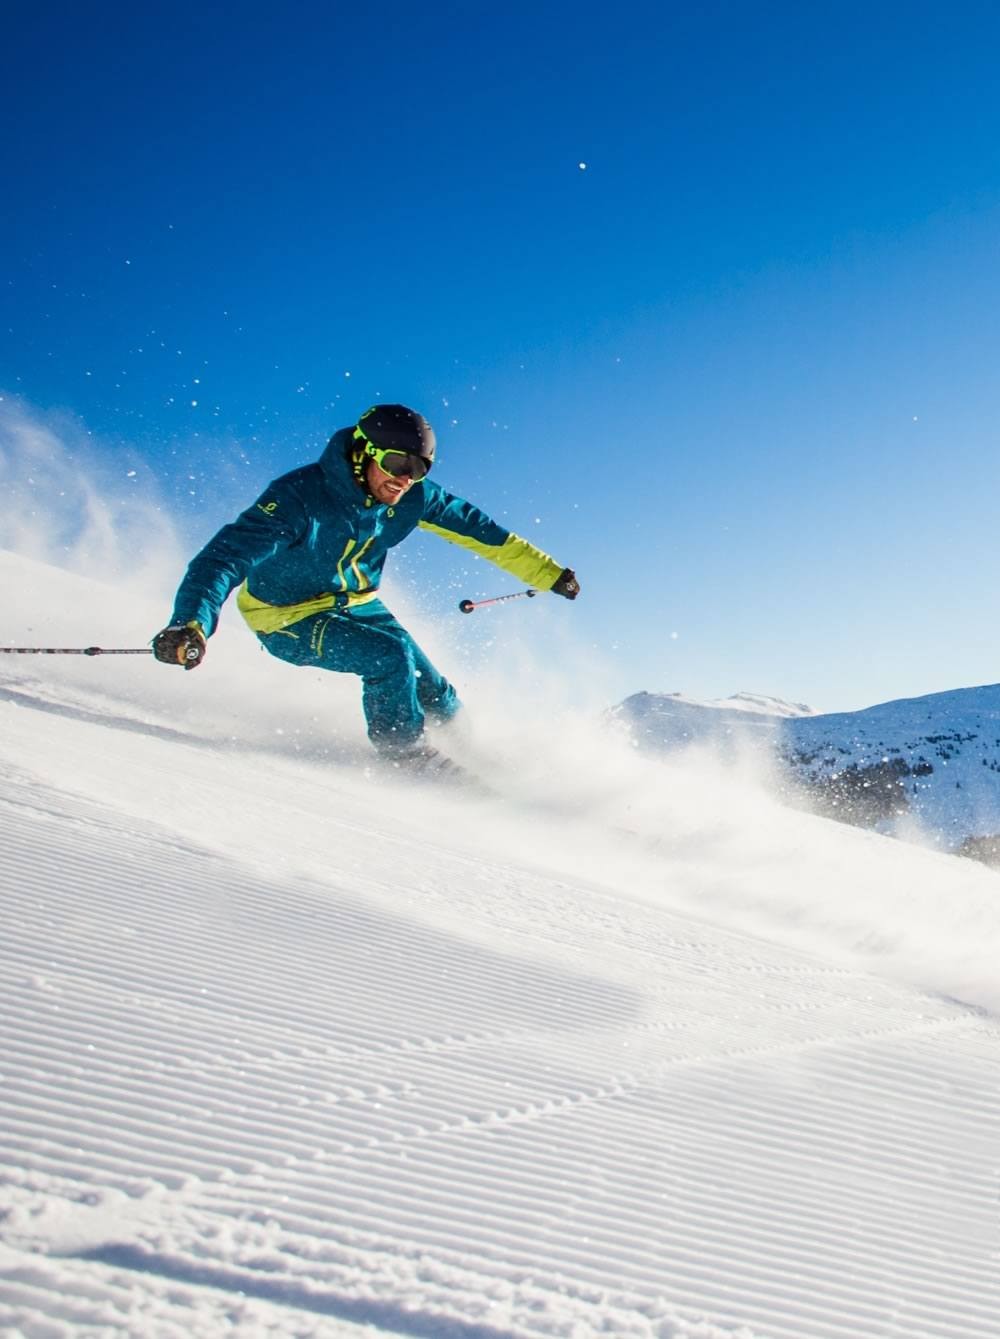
(582, 167)
(194, 404)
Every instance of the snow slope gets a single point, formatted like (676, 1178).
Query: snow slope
(289, 1048)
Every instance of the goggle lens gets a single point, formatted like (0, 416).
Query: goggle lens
(400, 463)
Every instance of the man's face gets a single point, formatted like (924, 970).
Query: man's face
(388, 488)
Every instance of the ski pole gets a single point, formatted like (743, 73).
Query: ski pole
(469, 606)
(76, 651)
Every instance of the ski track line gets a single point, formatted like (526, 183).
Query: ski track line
(68, 1299)
(755, 1179)
(908, 1192)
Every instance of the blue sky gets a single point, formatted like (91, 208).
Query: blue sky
(742, 370)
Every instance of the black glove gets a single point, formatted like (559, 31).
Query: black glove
(178, 645)
(566, 584)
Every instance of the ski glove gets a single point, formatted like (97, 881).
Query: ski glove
(178, 645)
(566, 584)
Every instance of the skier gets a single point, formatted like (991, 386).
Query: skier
(308, 556)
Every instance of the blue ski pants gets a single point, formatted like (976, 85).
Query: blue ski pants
(400, 686)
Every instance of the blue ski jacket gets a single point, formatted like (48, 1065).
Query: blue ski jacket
(316, 540)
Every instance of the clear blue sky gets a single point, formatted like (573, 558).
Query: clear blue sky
(742, 371)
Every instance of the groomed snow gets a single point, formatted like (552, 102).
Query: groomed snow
(292, 1049)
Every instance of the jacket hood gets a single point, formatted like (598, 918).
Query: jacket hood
(336, 466)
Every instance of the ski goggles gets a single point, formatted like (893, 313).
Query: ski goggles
(400, 464)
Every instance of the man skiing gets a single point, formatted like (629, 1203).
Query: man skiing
(307, 557)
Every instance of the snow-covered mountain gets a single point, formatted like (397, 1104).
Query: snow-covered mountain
(759, 702)
(681, 717)
(290, 1049)
(667, 720)
(926, 767)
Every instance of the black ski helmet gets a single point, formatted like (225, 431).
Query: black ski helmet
(393, 427)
